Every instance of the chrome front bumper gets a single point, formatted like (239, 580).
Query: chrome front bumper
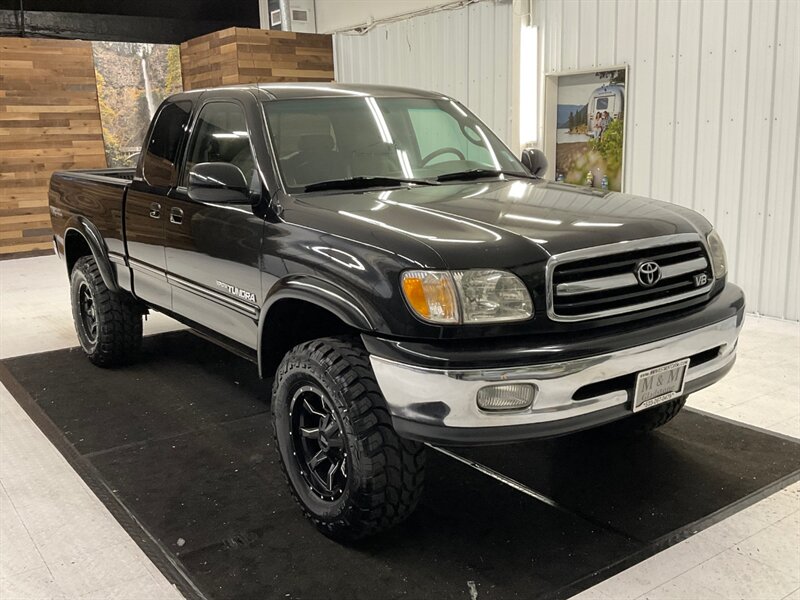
(440, 405)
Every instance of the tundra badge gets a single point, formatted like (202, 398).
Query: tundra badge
(235, 291)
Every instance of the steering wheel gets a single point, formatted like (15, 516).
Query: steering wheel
(439, 152)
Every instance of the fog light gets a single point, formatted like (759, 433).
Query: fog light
(511, 396)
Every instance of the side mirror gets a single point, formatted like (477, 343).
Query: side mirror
(217, 182)
(535, 161)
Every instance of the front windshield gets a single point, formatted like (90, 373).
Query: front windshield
(330, 139)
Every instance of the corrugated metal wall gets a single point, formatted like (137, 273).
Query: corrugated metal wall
(713, 117)
(464, 53)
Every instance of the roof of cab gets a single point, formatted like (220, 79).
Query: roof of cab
(322, 89)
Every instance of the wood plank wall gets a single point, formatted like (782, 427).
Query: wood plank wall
(49, 120)
(240, 55)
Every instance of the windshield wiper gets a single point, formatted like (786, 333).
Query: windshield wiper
(355, 183)
(478, 173)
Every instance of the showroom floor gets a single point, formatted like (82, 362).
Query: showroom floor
(57, 540)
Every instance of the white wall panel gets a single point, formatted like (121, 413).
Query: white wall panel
(732, 135)
(664, 101)
(757, 142)
(641, 100)
(570, 33)
(607, 23)
(464, 53)
(687, 83)
(712, 54)
(713, 119)
(782, 226)
(334, 15)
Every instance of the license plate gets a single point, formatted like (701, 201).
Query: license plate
(660, 384)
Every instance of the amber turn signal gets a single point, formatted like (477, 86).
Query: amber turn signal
(431, 295)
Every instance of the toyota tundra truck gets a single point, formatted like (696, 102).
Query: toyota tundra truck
(399, 276)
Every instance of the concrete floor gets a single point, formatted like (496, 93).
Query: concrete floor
(57, 540)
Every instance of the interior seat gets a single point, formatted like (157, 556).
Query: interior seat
(316, 160)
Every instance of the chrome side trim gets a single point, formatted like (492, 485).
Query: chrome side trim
(240, 306)
(146, 268)
(447, 398)
(616, 248)
(601, 284)
(245, 308)
(117, 258)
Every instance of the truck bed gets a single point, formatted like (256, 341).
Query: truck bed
(120, 173)
(93, 196)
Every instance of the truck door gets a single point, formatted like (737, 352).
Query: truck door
(212, 249)
(145, 204)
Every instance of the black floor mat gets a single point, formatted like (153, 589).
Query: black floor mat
(179, 447)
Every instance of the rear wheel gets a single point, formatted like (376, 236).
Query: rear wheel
(108, 324)
(352, 475)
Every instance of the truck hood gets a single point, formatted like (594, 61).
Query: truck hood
(498, 224)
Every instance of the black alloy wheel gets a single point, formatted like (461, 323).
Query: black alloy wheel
(88, 312)
(318, 442)
(349, 471)
(108, 324)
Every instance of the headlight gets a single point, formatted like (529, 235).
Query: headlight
(474, 296)
(492, 296)
(719, 261)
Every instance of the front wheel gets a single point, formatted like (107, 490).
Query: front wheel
(650, 419)
(351, 473)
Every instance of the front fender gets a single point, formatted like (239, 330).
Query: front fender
(83, 227)
(321, 293)
(325, 295)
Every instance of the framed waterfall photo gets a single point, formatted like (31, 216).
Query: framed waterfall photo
(132, 79)
(585, 127)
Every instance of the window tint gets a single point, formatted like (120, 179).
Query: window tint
(438, 133)
(324, 139)
(220, 135)
(160, 156)
(601, 104)
(297, 128)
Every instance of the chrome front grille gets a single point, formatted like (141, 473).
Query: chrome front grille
(602, 281)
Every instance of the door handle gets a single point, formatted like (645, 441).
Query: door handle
(155, 210)
(176, 215)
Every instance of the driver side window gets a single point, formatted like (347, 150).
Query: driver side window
(220, 135)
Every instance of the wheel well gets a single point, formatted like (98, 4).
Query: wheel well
(290, 322)
(75, 246)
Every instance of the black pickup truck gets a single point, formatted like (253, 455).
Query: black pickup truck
(400, 276)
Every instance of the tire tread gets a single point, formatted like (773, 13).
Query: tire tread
(119, 319)
(652, 418)
(393, 467)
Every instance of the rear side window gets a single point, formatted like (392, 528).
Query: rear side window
(159, 168)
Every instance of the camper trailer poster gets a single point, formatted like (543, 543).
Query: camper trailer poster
(590, 132)
(132, 80)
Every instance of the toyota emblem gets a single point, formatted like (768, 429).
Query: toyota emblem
(648, 274)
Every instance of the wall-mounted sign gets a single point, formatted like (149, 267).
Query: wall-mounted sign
(585, 127)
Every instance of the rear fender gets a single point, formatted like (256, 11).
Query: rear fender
(81, 226)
